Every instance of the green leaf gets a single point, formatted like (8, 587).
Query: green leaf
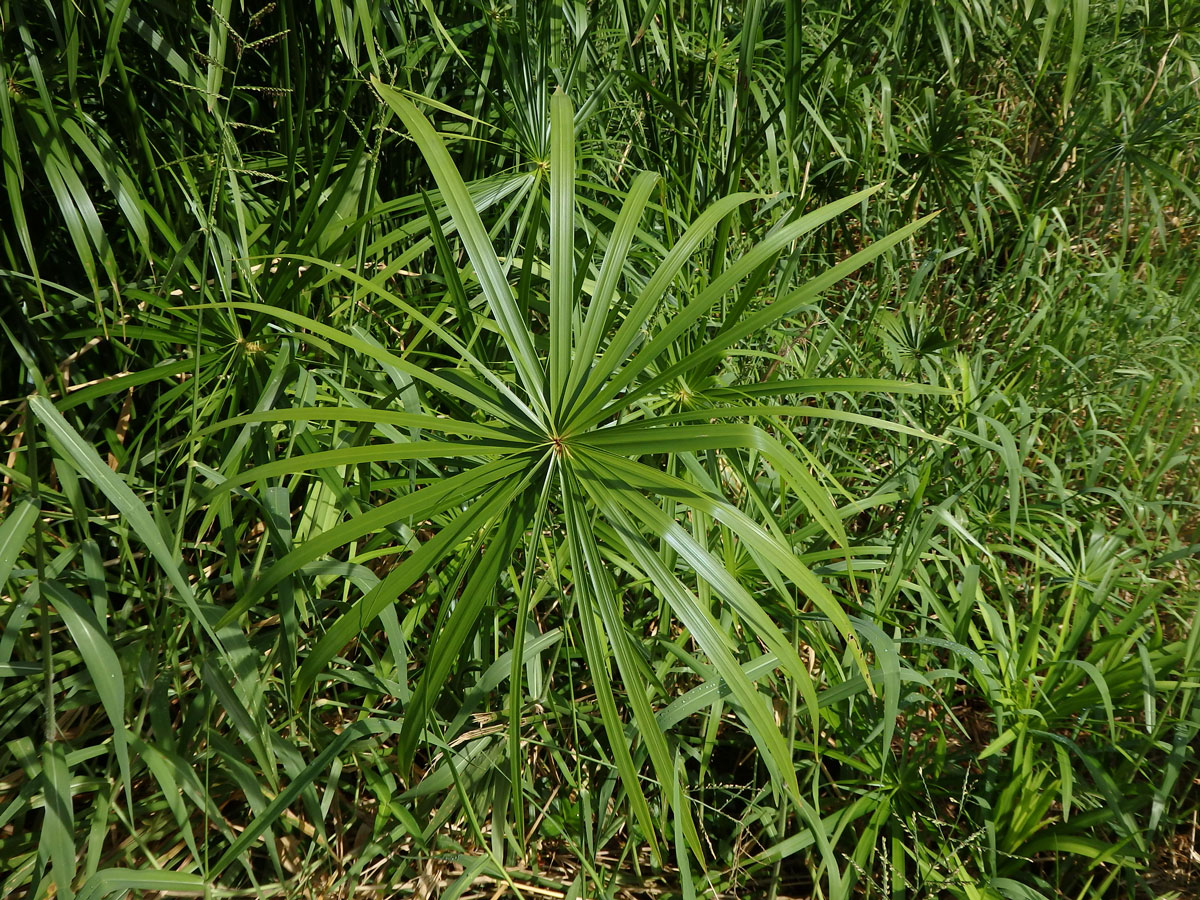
(18, 524)
(605, 290)
(425, 559)
(108, 884)
(563, 305)
(764, 318)
(420, 505)
(58, 828)
(629, 333)
(707, 632)
(475, 239)
(285, 798)
(496, 549)
(685, 318)
(84, 456)
(102, 664)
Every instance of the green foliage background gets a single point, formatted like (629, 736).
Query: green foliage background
(552, 449)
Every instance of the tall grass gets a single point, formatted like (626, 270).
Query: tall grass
(599, 450)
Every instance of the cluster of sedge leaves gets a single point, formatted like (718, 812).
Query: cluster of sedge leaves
(599, 449)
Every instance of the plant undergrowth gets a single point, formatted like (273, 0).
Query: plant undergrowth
(608, 449)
